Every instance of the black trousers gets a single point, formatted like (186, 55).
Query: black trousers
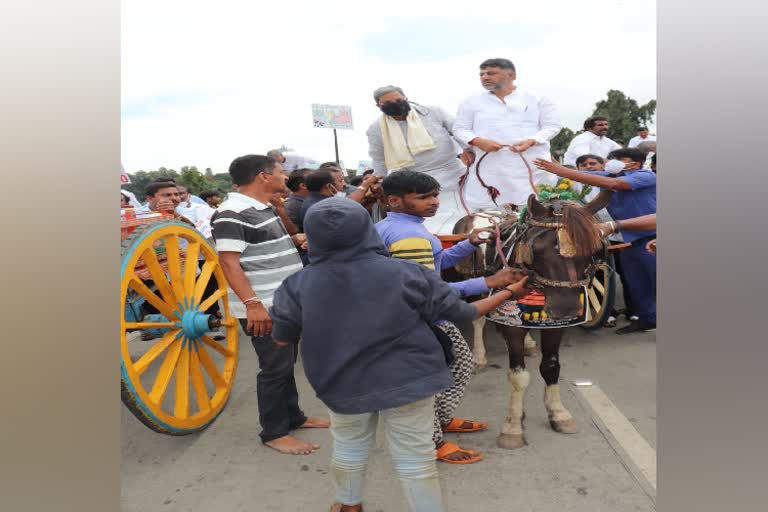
(279, 410)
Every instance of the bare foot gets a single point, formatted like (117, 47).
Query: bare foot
(338, 507)
(316, 423)
(292, 445)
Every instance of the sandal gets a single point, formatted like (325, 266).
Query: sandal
(450, 448)
(455, 425)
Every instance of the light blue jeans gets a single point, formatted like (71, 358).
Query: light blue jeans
(408, 430)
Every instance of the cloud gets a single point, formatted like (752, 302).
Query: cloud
(204, 83)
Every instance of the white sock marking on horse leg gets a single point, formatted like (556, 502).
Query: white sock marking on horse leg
(513, 423)
(553, 404)
(529, 342)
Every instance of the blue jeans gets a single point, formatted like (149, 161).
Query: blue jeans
(408, 430)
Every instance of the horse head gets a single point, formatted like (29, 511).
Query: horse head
(557, 244)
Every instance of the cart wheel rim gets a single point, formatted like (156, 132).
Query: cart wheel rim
(184, 362)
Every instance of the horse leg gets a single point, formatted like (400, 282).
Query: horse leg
(478, 346)
(559, 417)
(512, 435)
(529, 344)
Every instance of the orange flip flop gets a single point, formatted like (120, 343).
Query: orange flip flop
(455, 425)
(450, 448)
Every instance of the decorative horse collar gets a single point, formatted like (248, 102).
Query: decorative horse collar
(566, 248)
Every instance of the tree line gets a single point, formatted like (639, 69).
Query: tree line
(189, 176)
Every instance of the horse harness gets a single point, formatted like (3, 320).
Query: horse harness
(524, 256)
(524, 253)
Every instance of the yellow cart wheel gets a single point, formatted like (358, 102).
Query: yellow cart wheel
(175, 377)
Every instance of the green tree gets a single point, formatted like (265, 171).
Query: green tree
(194, 180)
(559, 143)
(189, 176)
(140, 180)
(624, 115)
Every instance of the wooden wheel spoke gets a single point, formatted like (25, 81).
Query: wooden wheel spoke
(158, 276)
(165, 373)
(158, 348)
(594, 300)
(212, 299)
(190, 267)
(159, 304)
(201, 391)
(181, 407)
(173, 253)
(216, 346)
(203, 279)
(230, 322)
(210, 367)
(598, 285)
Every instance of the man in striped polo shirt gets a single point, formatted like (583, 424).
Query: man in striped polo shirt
(256, 254)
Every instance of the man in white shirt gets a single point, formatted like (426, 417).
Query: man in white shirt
(199, 214)
(409, 136)
(642, 136)
(510, 123)
(592, 142)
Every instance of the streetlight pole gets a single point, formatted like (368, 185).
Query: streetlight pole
(336, 145)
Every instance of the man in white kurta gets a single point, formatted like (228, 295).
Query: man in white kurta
(427, 145)
(507, 122)
(642, 136)
(593, 141)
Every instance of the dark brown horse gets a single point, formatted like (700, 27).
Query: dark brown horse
(557, 244)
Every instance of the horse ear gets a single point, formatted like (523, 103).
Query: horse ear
(600, 201)
(535, 207)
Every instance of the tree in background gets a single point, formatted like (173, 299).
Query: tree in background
(559, 143)
(190, 177)
(624, 115)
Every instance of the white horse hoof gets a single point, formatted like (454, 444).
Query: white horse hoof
(511, 441)
(568, 426)
(480, 365)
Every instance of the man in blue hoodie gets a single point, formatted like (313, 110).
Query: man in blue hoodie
(368, 349)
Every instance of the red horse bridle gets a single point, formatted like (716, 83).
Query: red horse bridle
(493, 192)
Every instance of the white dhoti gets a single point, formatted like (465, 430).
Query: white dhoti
(507, 172)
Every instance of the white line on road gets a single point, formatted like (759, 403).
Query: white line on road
(615, 425)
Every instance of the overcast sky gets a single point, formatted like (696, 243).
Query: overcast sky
(205, 82)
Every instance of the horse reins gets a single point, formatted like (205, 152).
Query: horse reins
(494, 193)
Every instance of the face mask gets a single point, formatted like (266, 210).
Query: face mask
(614, 166)
(398, 108)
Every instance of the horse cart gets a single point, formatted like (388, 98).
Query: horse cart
(178, 341)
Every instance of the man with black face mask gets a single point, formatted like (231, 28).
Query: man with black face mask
(417, 138)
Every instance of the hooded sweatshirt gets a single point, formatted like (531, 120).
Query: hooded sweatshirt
(363, 317)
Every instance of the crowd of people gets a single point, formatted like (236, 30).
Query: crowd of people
(346, 272)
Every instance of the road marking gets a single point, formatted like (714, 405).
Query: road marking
(620, 433)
